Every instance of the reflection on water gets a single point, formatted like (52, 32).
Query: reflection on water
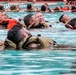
(72, 69)
(37, 62)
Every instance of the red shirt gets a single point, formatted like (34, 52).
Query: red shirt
(11, 23)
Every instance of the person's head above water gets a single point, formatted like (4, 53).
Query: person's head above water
(23, 39)
(30, 19)
(43, 8)
(27, 19)
(64, 18)
(17, 33)
(29, 6)
(13, 7)
(40, 17)
(3, 16)
(2, 9)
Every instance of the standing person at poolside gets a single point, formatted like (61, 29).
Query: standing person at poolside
(68, 21)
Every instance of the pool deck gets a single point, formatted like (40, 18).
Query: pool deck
(37, 2)
(49, 2)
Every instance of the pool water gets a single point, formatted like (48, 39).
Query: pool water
(41, 62)
(38, 62)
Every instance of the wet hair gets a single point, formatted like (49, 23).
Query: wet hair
(71, 2)
(60, 19)
(27, 19)
(66, 3)
(43, 8)
(29, 6)
(13, 7)
(1, 8)
(73, 7)
(14, 34)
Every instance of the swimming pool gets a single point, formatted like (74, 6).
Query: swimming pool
(23, 5)
(41, 62)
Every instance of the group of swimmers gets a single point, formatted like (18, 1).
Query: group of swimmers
(44, 8)
(18, 30)
(36, 20)
(30, 21)
(19, 37)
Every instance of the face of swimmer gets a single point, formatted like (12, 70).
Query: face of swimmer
(34, 19)
(24, 32)
(66, 18)
(3, 16)
(40, 17)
